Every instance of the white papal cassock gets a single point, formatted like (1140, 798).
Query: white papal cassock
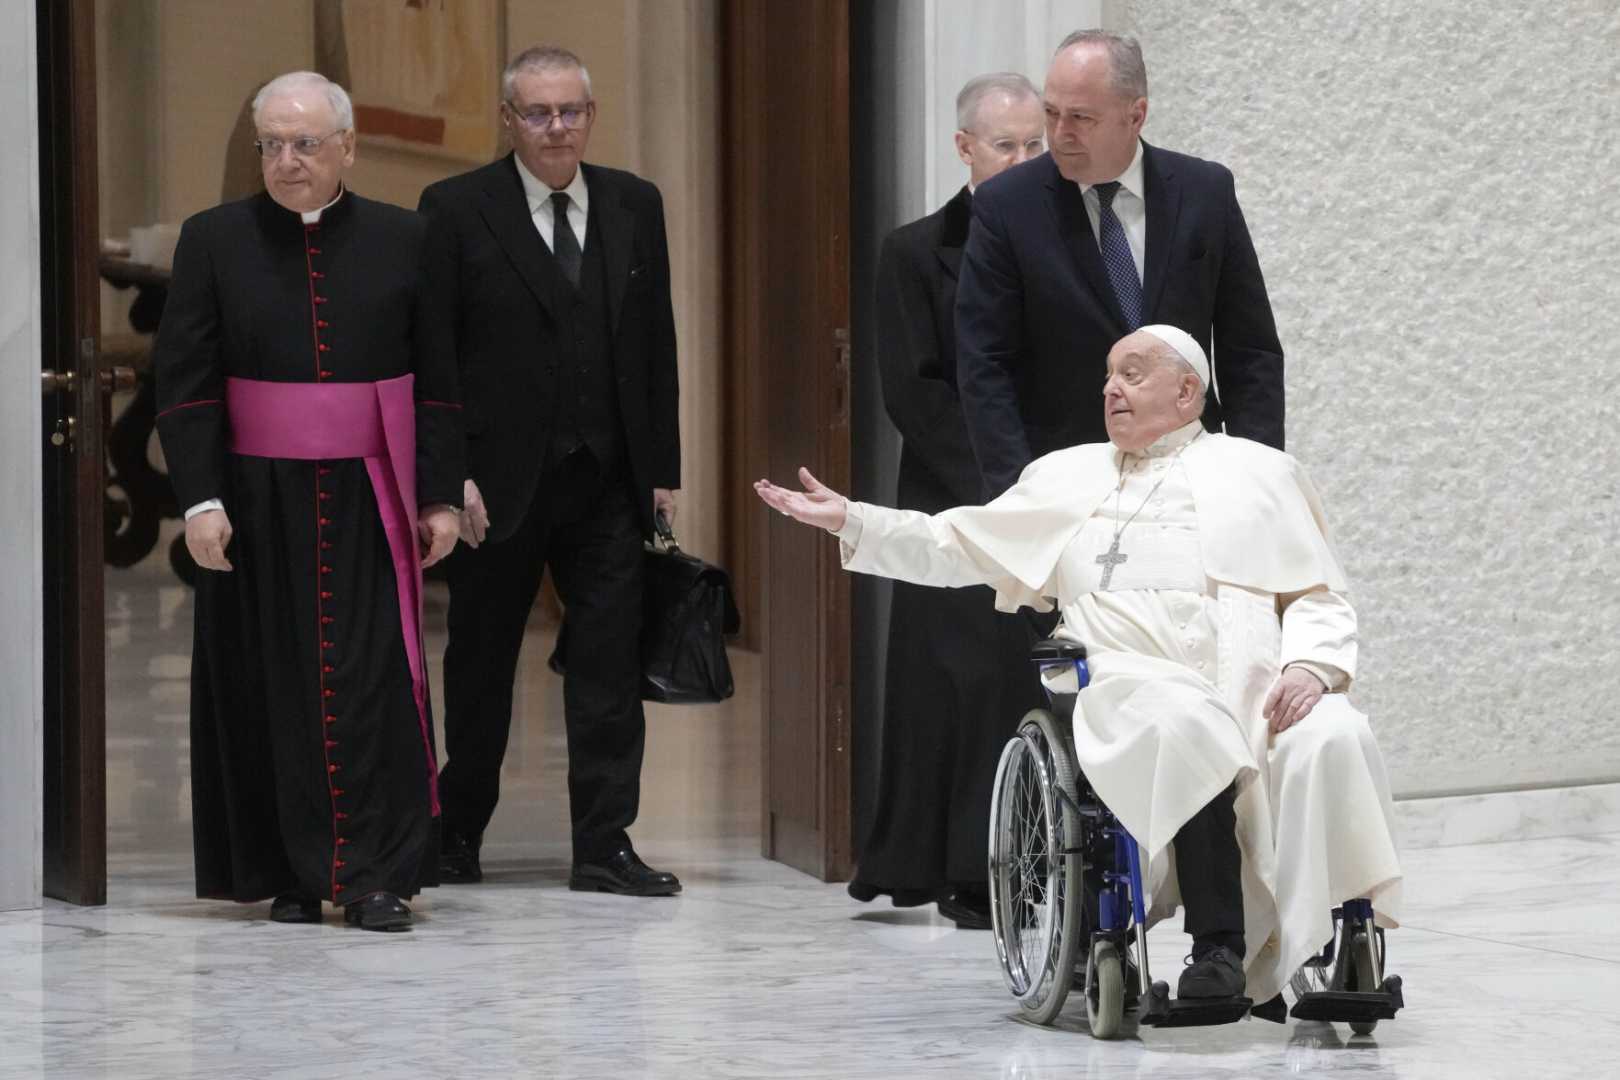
(1184, 645)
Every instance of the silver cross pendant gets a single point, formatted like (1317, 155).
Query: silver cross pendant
(1108, 560)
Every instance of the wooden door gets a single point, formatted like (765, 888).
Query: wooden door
(75, 402)
(787, 127)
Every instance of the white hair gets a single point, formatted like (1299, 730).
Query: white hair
(336, 96)
(973, 94)
(538, 58)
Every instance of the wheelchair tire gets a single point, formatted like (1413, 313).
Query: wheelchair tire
(1105, 990)
(1036, 897)
(1366, 975)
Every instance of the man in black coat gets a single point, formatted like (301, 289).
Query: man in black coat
(312, 756)
(958, 674)
(554, 276)
(1070, 252)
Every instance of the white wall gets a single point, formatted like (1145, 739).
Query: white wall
(21, 705)
(1432, 189)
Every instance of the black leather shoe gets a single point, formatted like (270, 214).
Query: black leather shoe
(293, 908)
(1217, 973)
(458, 860)
(966, 911)
(624, 873)
(379, 911)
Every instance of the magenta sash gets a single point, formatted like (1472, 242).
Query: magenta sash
(377, 422)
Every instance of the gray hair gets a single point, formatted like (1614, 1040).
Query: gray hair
(336, 96)
(977, 89)
(539, 58)
(1126, 70)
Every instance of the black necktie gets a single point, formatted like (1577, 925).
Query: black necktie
(564, 244)
(1116, 253)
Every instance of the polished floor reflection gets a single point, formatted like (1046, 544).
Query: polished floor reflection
(1511, 959)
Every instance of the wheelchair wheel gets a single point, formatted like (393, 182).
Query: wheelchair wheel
(1365, 973)
(1036, 900)
(1105, 990)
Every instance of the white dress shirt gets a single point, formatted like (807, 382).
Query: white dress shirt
(544, 213)
(1130, 206)
(309, 217)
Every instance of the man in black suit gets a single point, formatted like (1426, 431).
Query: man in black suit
(958, 673)
(554, 275)
(1072, 251)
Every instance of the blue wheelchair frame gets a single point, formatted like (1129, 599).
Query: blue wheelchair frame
(1121, 907)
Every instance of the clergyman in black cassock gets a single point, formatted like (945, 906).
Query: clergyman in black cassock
(313, 767)
(958, 676)
(554, 276)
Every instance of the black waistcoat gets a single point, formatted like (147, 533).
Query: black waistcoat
(587, 396)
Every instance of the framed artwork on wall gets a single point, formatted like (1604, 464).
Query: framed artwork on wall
(424, 74)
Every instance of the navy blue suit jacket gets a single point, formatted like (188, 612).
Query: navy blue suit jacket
(1036, 316)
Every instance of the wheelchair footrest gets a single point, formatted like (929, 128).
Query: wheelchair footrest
(1160, 1011)
(1351, 1006)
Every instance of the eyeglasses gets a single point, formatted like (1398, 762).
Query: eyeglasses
(571, 116)
(304, 146)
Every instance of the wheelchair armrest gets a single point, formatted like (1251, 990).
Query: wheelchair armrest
(1056, 650)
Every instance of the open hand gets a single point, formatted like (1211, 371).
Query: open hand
(207, 536)
(817, 504)
(1291, 700)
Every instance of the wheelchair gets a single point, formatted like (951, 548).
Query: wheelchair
(1068, 910)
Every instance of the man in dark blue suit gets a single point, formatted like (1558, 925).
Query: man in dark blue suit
(1103, 234)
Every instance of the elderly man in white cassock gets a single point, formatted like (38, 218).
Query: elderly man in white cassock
(1197, 570)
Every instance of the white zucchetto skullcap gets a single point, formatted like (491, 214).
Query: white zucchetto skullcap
(1185, 345)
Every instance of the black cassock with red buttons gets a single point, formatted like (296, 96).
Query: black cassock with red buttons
(311, 772)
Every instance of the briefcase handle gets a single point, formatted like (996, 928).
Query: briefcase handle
(665, 534)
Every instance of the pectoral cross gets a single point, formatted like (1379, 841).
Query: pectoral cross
(1110, 559)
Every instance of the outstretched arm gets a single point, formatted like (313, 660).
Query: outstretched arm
(1013, 543)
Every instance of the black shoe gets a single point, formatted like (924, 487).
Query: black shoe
(1216, 973)
(458, 860)
(968, 912)
(293, 908)
(379, 911)
(623, 872)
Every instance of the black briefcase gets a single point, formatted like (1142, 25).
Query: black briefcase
(686, 615)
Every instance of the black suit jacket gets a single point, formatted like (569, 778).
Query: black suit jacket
(916, 327)
(499, 291)
(1036, 316)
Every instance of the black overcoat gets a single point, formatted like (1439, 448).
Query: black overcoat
(958, 676)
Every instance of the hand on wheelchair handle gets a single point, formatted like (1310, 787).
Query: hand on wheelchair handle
(817, 504)
(1292, 698)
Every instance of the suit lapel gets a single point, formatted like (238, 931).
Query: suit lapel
(955, 217)
(1074, 227)
(616, 230)
(505, 210)
(1163, 210)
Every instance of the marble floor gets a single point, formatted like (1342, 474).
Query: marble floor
(1511, 957)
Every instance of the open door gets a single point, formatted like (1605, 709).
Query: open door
(75, 403)
(787, 323)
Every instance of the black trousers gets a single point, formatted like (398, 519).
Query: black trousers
(1209, 869)
(582, 524)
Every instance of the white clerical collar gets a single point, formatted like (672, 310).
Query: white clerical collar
(1130, 179)
(1167, 444)
(312, 216)
(538, 192)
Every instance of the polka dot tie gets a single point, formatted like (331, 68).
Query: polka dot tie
(1116, 253)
